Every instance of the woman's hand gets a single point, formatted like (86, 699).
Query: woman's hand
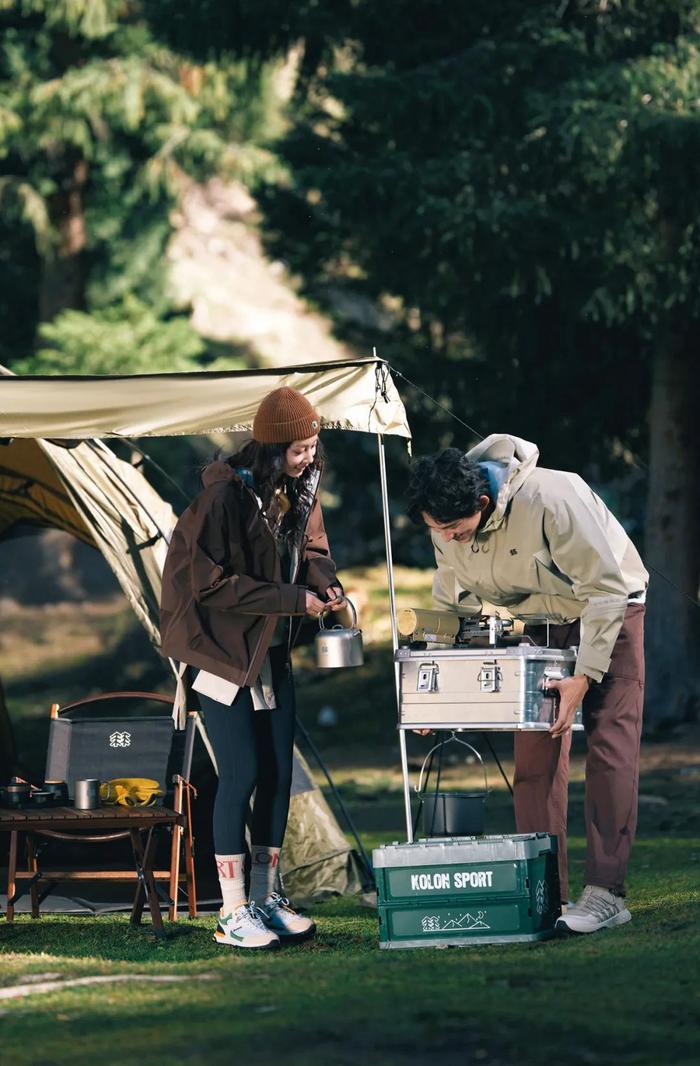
(336, 598)
(314, 606)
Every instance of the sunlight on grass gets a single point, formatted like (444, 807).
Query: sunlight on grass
(341, 990)
(339, 999)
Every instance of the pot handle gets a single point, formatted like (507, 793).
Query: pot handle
(23, 781)
(457, 740)
(354, 617)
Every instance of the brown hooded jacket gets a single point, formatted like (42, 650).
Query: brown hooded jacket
(222, 583)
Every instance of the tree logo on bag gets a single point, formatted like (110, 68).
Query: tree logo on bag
(120, 740)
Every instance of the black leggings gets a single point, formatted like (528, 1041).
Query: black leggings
(254, 753)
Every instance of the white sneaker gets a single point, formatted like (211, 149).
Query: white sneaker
(281, 919)
(598, 908)
(244, 928)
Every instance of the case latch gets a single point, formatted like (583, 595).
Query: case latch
(490, 677)
(427, 680)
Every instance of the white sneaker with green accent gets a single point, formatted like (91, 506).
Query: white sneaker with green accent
(244, 928)
(283, 920)
(598, 908)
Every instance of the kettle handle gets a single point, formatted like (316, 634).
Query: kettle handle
(354, 617)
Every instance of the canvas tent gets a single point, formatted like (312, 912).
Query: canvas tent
(56, 471)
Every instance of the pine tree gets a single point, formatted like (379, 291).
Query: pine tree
(514, 186)
(100, 125)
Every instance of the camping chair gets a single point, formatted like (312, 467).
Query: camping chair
(84, 741)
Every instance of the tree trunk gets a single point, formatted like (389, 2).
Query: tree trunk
(64, 274)
(672, 538)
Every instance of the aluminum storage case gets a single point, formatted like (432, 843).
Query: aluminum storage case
(467, 890)
(481, 688)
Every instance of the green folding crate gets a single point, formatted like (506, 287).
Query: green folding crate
(467, 890)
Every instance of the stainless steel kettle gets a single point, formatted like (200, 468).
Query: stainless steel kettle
(340, 645)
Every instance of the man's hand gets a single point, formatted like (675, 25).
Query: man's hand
(314, 606)
(336, 598)
(571, 692)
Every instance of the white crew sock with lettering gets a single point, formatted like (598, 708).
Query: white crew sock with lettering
(231, 869)
(263, 871)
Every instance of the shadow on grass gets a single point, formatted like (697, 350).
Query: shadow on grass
(345, 924)
(107, 939)
(618, 997)
(663, 888)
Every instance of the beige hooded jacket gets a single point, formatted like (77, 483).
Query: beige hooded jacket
(550, 550)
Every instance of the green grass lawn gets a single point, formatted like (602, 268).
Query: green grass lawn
(625, 996)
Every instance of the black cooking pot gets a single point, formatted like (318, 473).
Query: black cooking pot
(59, 791)
(454, 814)
(15, 795)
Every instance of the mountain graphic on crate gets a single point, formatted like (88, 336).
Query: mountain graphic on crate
(431, 923)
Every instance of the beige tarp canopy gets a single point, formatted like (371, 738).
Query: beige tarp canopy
(357, 395)
(84, 489)
(81, 487)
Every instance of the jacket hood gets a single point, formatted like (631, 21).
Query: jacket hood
(510, 462)
(218, 470)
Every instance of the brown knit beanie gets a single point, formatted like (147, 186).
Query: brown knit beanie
(283, 416)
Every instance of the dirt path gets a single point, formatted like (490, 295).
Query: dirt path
(237, 294)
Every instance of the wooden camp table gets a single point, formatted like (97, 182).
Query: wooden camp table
(113, 822)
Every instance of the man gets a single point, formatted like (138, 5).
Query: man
(541, 543)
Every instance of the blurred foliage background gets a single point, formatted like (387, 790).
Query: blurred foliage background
(503, 198)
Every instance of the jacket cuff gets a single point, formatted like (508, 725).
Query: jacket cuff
(292, 599)
(320, 573)
(592, 663)
(596, 676)
(300, 604)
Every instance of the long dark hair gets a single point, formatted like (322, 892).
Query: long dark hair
(266, 464)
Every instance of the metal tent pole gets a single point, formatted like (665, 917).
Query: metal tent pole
(339, 800)
(394, 634)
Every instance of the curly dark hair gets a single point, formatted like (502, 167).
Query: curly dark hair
(447, 486)
(266, 464)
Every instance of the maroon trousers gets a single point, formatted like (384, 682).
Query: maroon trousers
(612, 717)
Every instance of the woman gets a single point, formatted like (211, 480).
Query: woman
(249, 554)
